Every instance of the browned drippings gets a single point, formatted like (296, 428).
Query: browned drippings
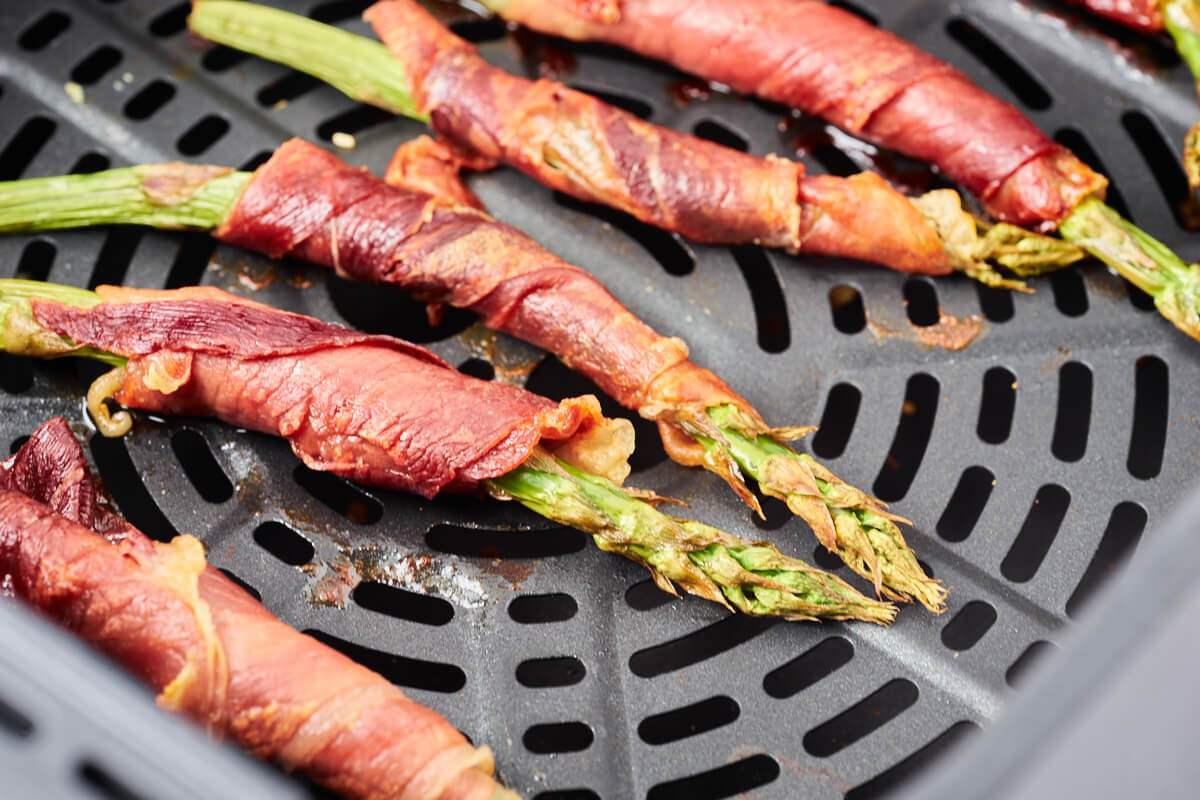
(541, 56)
(949, 332)
(811, 136)
(686, 91)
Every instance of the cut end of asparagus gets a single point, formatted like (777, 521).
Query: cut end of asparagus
(173, 195)
(1139, 258)
(846, 520)
(1024, 253)
(743, 575)
(20, 333)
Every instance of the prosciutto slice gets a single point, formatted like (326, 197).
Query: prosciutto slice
(369, 408)
(827, 61)
(1140, 15)
(210, 650)
(577, 144)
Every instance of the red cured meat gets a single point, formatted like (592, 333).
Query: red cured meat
(369, 408)
(1140, 15)
(826, 61)
(572, 142)
(306, 202)
(211, 650)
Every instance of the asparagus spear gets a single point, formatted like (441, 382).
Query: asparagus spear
(751, 577)
(334, 55)
(848, 522)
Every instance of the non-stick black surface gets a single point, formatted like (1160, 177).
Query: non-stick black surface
(1031, 462)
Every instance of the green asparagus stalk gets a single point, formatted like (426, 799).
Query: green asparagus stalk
(1182, 19)
(1141, 259)
(751, 577)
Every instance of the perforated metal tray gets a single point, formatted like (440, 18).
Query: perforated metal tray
(1031, 462)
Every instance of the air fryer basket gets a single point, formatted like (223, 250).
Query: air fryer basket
(1031, 462)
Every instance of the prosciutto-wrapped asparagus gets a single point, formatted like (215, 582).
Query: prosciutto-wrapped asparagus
(210, 650)
(306, 203)
(577, 144)
(391, 414)
(827, 61)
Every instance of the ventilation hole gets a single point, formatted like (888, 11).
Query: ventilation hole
(171, 21)
(912, 437)
(203, 135)
(849, 313)
(478, 368)
(1163, 162)
(969, 625)
(483, 543)
(1001, 64)
(41, 33)
(403, 604)
(568, 794)
(479, 31)
(533, 609)
(1078, 144)
(997, 405)
(1033, 654)
(255, 161)
(546, 673)
(200, 466)
(284, 543)
(148, 101)
(115, 254)
(25, 146)
(340, 495)
(887, 782)
(247, 588)
(339, 10)
(856, 10)
(776, 514)
(17, 444)
(770, 309)
(966, 504)
(1121, 536)
(103, 783)
(195, 251)
(287, 88)
(826, 560)
(921, 302)
(1149, 435)
(668, 249)
(814, 664)
(996, 304)
(834, 160)
(837, 423)
(1070, 295)
(552, 379)
(714, 131)
(121, 480)
(697, 646)
(1037, 533)
(1139, 299)
(692, 720)
(385, 309)
(13, 721)
(1074, 412)
(864, 717)
(728, 781)
(222, 58)
(411, 673)
(558, 737)
(36, 259)
(354, 121)
(97, 63)
(646, 596)
(89, 163)
(635, 106)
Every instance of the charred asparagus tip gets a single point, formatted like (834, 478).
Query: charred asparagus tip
(1139, 258)
(751, 577)
(847, 521)
(361, 68)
